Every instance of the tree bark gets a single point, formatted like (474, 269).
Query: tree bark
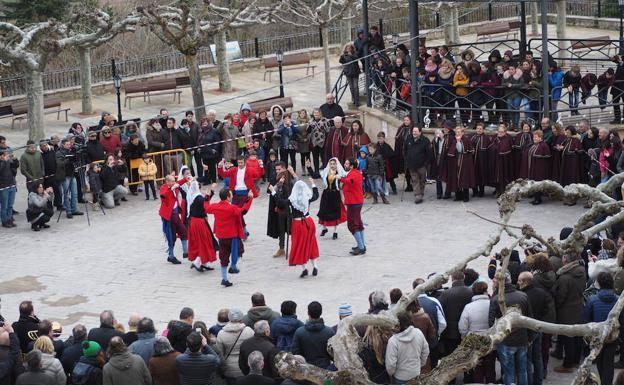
(325, 33)
(347, 25)
(455, 15)
(534, 20)
(192, 65)
(561, 30)
(84, 56)
(34, 98)
(223, 66)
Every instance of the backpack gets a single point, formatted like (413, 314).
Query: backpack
(82, 373)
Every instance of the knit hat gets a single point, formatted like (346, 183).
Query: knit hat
(90, 348)
(235, 315)
(508, 53)
(345, 310)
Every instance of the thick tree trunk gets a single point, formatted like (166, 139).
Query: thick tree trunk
(223, 66)
(34, 97)
(534, 20)
(561, 30)
(325, 33)
(192, 65)
(455, 15)
(84, 56)
(345, 31)
(451, 24)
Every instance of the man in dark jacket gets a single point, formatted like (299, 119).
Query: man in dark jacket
(617, 90)
(179, 330)
(256, 364)
(95, 151)
(210, 151)
(417, 150)
(31, 165)
(73, 348)
(35, 373)
(568, 294)
(65, 159)
(199, 364)
(453, 302)
(28, 322)
(171, 141)
(10, 365)
(106, 331)
(512, 351)
(310, 340)
(283, 329)
(8, 170)
(188, 135)
(261, 342)
(375, 40)
(112, 189)
(259, 311)
(49, 165)
(330, 108)
(543, 307)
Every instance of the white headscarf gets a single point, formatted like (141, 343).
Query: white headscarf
(300, 196)
(184, 185)
(339, 171)
(193, 192)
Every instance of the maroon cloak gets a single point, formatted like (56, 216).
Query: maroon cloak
(537, 162)
(556, 157)
(569, 171)
(460, 167)
(480, 143)
(333, 144)
(443, 161)
(352, 143)
(521, 144)
(399, 142)
(501, 162)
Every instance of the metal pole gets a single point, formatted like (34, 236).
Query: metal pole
(279, 64)
(369, 102)
(545, 67)
(414, 44)
(621, 30)
(490, 11)
(256, 47)
(381, 28)
(599, 13)
(321, 37)
(118, 90)
(523, 37)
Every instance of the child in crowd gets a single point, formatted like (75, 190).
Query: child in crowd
(386, 151)
(254, 162)
(147, 173)
(95, 184)
(362, 159)
(258, 149)
(269, 168)
(375, 174)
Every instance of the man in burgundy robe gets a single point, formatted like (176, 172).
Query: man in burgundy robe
(333, 143)
(480, 142)
(569, 171)
(499, 157)
(460, 168)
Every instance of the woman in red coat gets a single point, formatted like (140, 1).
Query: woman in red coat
(569, 171)
(537, 161)
(460, 160)
(201, 241)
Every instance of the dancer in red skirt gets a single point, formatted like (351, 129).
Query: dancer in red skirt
(332, 211)
(201, 241)
(304, 248)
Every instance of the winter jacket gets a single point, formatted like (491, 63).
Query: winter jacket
(375, 165)
(599, 305)
(417, 152)
(198, 368)
(350, 66)
(110, 178)
(22, 327)
(568, 293)
(572, 79)
(154, 140)
(132, 151)
(513, 82)
(545, 280)
(49, 161)
(53, 367)
(8, 170)
(103, 335)
(171, 138)
(177, 333)
(474, 317)
(542, 303)
(406, 353)
(148, 171)
(330, 111)
(188, 138)
(207, 137)
(318, 130)
(126, 369)
(228, 133)
(283, 331)
(164, 370)
(555, 80)
(453, 302)
(422, 322)
(227, 343)
(264, 345)
(10, 363)
(87, 372)
(38, 205)
(513, 297)
(95, 151)
(460, 82)
(144, 346)
(64, 164)
(71, 354)
(31, 165)
(287, 135)
(38, 377)
(258, 313)
(310, 341)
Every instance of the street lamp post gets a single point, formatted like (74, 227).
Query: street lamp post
(280, 58)
(621, 2)
(117, 84)
(395, 41)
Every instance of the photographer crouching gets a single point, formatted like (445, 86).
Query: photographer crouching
(112, 183)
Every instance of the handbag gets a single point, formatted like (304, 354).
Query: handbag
(221, 369)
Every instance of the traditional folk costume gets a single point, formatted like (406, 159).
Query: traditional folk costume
(536, 162)
(278, 219)
(229, 230)
(352, 143)
(334, 147)
(332, 211)
(480, 144)
(557, 155)
(501, 163)
(304, 247)
(172, 223)
(201, 241)
(522, 142)
(353, 199)
(570, 161)
(460, 175)
(241, 182)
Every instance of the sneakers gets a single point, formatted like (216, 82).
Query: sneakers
(315, 272)
(279, 253)
(358, 251)
(323, 232)
(233, 270)
(173, 260)
(77, 213)
(335, 236)
(226, 283)
(304, 273)
(34, 227)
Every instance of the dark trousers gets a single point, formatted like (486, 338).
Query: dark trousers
(571, 350)
(304, 156)
(285, 154)
(147, 185)
(198, 162)
(604, 363)
(317, 157)
(484, 372)
(46, 218)
(449, 345)
(439, 188)
(282, 226)
(617, 112)
(464, 113)
(58, 196)
(354, 218)
(210, 176)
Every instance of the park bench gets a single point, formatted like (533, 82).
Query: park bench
(18, 110)
(154, 87)
(487, 30)
(265, 104)
(592, 42)
(294, 61)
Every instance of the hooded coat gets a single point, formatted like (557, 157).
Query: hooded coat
(228, 345)
(126, 369)
(310, 341)
(406, 353)
(258, 313)
(283, 331)
(568, 293)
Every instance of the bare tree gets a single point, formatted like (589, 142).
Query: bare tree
(318, 13)
(344, 346)
(30, 48)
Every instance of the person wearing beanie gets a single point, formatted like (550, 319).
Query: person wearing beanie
(229, 341)
(344, 310)
(162, 365)
(88, 369)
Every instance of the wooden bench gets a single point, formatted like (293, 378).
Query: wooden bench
(265, 104)
(154, 87)
(494, 28)
(302, 60)
(592, 42)
(18, 110)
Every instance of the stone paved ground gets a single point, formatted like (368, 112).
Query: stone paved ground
(73, 271)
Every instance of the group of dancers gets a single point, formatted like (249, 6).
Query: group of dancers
(185, 206)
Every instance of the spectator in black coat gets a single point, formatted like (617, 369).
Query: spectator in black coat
(171, 141)
(10, 365)
(210, 151)
(375, 40)
(199, 364)
(330, 109)
(28, 322)
(49, 166)
(45, 328)
(73, 348)
(112, 189)
(310, 340)
(134, 149)
(35, 373)
(106, 331)
(256, 374)
(261, 342)
(94, 149)
(188, 134)
(179, 330)
(453, 302)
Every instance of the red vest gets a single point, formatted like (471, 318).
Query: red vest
(352, 188)
(228, 221)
